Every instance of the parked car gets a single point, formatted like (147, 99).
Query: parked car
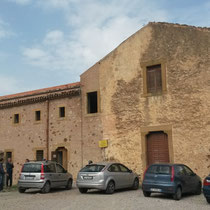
(174, 179)
(206, 188)
(106, 176)
(43, 175)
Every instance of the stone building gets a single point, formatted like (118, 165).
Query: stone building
(149, 98)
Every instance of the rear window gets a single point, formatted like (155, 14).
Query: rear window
(159, 169)
(32, 168)
(152, 169)
(164, 170)
(92, 168)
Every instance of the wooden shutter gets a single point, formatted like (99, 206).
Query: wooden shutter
(154, 80)
(39, 155)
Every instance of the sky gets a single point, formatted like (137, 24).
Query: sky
(46, 43)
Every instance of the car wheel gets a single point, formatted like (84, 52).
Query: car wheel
(208, 200)
(83, 190)
(69, 184)
(110, 188)
(198, 190)
(146, 194)
(135, 184)
(178, 194)
(21, 190)
(46, 188)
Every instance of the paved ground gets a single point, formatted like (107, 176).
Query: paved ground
(94, 200)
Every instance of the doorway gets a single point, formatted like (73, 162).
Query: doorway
(60, 156)
(157, 148)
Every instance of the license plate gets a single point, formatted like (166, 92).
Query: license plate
(29, 177)
(87, 177)
(155, 190)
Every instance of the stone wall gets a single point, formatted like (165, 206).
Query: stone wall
(126, 112)
(92, 130)
(25, 138)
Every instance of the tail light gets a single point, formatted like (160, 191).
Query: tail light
(145, 173)
(206, 182)
(42, 172)
(172, 173)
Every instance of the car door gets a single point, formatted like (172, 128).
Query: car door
(182, 177)
(50, 173)
(114, 173)
(126, 176)
(61, 175)
(192, 179)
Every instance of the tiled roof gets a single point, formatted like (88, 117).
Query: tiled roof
(40, 91)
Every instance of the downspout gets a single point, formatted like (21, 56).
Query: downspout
(47, 131)
(81, 127)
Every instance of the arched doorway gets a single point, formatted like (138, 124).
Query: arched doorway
(157, 147)
(60, 156)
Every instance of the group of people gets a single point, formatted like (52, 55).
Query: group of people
(8, 171)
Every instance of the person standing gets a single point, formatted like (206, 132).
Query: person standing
(9, 169)
(1, 174)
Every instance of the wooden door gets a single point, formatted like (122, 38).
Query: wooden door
(157, 148)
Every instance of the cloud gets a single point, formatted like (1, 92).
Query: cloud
(4, 30)
(9, 85)
(22, 2)
(95, 29)
(54, 37)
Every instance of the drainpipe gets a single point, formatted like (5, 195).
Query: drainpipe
(81, 110)
(47, 131)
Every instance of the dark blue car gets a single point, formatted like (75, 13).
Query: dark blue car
(174, 179)
(206, 188)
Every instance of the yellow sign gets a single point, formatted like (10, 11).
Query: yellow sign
(103, 143)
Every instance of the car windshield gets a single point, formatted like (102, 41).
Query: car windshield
(32, 168)
(92, 168)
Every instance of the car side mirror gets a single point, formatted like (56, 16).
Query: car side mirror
(130, 171)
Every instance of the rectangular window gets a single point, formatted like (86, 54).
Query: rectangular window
(92, 102)
(8, 155)
(154, 79)
(37, 115)
(61, 111)
(39, 155)
(16, 118)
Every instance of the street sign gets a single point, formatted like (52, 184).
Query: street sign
(103, 143)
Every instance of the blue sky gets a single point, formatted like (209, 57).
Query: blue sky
(46, 43)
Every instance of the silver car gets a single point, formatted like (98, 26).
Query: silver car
(43, 175)
(106, 176)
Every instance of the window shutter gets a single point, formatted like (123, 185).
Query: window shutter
(154, 81)
(39, 155)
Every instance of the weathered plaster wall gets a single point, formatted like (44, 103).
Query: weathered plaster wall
(120, 85)
(66, 132)
(92, 130)
(184, 107)
(25, 138)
